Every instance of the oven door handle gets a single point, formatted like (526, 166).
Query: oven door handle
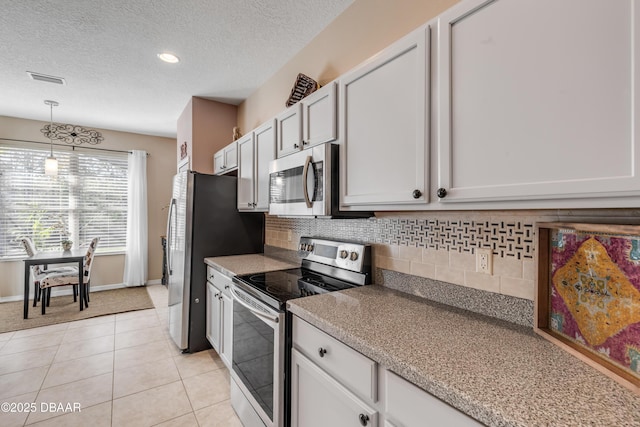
(305, 172)
(272, 319)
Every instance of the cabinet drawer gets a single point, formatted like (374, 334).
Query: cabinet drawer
(219, 280)
(354, 370)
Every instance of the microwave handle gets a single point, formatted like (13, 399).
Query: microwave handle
(305, 171)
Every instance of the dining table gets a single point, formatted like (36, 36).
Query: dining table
(53, 257)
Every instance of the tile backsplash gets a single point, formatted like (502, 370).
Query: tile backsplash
(442, 245)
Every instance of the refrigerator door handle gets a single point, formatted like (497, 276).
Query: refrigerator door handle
(169, 230)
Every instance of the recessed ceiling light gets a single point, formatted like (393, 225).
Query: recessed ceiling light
(169, 57)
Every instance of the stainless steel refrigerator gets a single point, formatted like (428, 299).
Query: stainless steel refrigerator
(203, 222)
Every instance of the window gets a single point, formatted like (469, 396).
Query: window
(88, 198)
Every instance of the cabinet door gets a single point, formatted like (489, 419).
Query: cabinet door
(265, 152)
(311, 385)
(319, 117)
(536, 100)
(410, 406)
(226, 341)
(246, 172)
(213, 316)
(231, 156)
(383, 116)
(289, 134)
(218, 162)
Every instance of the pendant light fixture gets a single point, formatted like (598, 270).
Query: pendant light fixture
(51, 163)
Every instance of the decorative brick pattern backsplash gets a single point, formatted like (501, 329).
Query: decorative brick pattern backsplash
(441, 245)
(505, 238)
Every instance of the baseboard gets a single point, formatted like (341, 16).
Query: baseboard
(68, 291)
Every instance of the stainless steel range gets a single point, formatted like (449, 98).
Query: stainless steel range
(260, 386)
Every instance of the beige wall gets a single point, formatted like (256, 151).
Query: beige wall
(207, 127)
(362, 30)
(161, 167)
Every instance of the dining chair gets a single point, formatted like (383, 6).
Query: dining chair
(38, 272)
(54, 280)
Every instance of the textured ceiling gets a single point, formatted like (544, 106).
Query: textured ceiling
(106, 51)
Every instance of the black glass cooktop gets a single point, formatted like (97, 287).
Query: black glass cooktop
(283, 285)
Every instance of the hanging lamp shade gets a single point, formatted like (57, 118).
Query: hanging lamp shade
(51, 163)
(51, 166)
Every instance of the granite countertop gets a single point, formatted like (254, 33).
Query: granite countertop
(497, 372)
(236, 265)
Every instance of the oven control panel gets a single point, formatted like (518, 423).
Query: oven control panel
(350, 257)
(346, 255)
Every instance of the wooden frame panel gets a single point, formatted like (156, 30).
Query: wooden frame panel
(602, 245)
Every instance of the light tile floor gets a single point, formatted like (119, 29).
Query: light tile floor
(121, 370)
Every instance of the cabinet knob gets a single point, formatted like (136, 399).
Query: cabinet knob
(364, 419)
(322, 352)
(226, 286)
(296, 146)
(222, 167)
(441, 193)
(249, 204)
(305, 142)
(220, 297)
(417, 194)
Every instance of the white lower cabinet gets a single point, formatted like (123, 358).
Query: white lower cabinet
(213, 316)
(334, 385)
(226, 341)
(318, 400)
(408, 405)
(219, 314)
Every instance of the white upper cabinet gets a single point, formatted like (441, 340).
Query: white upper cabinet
(265, 152)
(319, 116)
(289, 130)
(246, 172)
(218, 162)
(310, 122)
(255, 151)
(226, 160)
(536, 101)
(384, 128)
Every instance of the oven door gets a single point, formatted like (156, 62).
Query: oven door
(258, 356)
(300, 183)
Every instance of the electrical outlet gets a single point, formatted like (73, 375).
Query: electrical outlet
(289, 235)
(484, 261)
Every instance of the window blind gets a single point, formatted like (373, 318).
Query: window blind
(87, 199)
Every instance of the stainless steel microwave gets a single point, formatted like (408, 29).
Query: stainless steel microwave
(306, 184)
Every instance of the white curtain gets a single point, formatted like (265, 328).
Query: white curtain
(135, 262)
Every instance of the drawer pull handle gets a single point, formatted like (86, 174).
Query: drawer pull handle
(364, 419)
(322, 352)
